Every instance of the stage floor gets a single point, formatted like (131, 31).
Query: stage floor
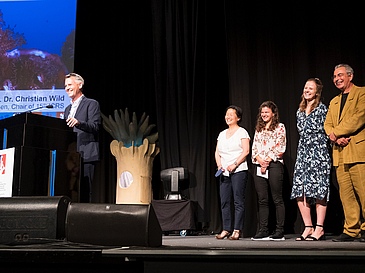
(201, 253)
(207, 246)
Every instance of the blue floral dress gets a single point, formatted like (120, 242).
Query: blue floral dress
(313, 165)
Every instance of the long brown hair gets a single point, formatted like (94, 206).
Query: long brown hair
(260, 124)
(317, 100)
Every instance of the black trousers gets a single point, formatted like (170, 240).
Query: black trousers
(275, 184)
(86, 181)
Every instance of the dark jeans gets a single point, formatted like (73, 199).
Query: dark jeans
(236, 184)
(275, 182)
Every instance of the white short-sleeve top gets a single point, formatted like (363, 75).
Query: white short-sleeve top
(231, 148)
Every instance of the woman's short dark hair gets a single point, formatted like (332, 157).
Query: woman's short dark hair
(238, 111)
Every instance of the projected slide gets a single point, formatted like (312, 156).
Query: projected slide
(37, 40)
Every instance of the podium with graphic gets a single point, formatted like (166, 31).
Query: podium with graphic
(46, 162)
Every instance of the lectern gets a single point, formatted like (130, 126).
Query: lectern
(46, 162)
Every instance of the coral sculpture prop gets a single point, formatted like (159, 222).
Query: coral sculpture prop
(134, 149)
(130, 133)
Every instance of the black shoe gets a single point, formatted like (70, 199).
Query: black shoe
(312, 238)
(301, 238)
(344, 238)
(261, 236)
(277, 236)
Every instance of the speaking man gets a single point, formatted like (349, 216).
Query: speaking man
(83, 114)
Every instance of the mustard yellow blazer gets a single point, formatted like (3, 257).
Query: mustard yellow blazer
(350, 124)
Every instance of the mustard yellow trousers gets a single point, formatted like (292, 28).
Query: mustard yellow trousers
(351, 181)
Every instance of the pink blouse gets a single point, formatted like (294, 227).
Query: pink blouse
(269, 144)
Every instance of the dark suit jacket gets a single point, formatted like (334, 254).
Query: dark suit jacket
(88, 114)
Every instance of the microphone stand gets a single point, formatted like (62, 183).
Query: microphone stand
(31, 110)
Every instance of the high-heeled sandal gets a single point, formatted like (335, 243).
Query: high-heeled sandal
(235, 235)
(320, 238)
(223, 235)
(301, 238)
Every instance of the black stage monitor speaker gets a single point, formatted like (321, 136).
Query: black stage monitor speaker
(23, 219)
(173, 182)
(113, 225)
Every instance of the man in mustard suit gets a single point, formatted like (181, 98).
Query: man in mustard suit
(345, 126)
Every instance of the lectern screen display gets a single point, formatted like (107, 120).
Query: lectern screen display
(36, 52)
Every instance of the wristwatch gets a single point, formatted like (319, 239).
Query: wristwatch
(235, 163)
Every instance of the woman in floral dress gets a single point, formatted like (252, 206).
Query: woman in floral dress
(267, 153)
(313, 164)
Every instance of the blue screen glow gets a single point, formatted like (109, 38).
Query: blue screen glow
(36, 52)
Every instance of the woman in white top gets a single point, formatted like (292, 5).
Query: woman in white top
(233, 146)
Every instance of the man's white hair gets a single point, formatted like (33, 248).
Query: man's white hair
(348, 68)
(77, 77)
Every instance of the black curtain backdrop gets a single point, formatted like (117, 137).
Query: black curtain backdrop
(190, 83)
(183, 62)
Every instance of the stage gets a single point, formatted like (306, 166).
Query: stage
(200, 253)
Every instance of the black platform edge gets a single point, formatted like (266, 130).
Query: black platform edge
(287, 256)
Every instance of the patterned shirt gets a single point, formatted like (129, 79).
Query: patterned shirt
(269, 144)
